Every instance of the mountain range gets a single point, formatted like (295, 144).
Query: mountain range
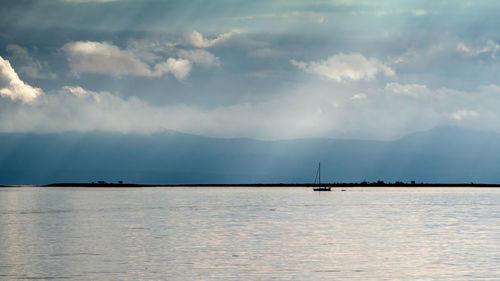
(440, 155)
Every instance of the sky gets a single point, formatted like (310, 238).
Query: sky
(274, 69)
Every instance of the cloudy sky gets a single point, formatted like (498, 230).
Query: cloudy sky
(275, 69)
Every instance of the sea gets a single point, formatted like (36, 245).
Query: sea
(249, 233)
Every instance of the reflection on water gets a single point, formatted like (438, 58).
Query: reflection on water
(249, 233)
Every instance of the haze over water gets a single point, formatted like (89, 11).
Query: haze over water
(250, 234)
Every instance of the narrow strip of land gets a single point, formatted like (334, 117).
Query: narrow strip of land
(340, 185)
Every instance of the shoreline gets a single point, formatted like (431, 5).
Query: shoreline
(333, 185)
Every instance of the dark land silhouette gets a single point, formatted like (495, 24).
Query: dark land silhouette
(333, 185)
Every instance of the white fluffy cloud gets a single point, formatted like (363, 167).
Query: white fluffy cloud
(149, 51)
(29, 65)
(13, 87)
(200, 56)
(359, 96)
(82, 93)
(462, 114)
(343, 67)
(412, 90)
(103, 58)
(489, 47)
(197, 39)
(180, 68)
(108, 59)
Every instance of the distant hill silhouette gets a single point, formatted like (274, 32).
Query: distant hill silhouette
(443, 154)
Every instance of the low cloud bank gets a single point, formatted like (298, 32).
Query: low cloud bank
(309, 110)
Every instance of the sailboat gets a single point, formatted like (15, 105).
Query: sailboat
(319, 187)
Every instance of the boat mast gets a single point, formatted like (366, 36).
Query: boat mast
(319, 173)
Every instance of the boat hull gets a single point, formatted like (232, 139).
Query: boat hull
(322, 189)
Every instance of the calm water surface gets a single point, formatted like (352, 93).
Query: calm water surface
(249, 234)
